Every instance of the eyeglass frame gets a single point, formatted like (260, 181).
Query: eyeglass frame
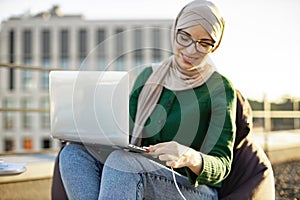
(195, 42)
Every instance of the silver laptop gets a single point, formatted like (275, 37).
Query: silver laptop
(91, 107)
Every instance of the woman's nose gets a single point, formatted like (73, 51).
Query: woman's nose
(191, 49)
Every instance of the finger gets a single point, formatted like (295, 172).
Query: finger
(174, 164)
(164, 150)
(156, 150)
(167, 157)
(157, 146)
(171, 163)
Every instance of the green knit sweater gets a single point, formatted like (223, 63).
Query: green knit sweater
(202, 118)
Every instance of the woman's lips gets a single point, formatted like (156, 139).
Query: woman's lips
(187, 59)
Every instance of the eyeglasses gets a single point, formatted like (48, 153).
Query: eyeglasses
(202, 46)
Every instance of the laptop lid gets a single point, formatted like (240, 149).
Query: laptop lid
(90, 106)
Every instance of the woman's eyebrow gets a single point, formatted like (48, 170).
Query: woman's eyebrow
(185, 32)
(205, 39)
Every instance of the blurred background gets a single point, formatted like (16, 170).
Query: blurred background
(261, 37)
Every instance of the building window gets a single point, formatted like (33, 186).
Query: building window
(8, 117)
(27, 143)
(27, 45)
(170, 43)
(46, 46)
(156, 56)
(9, 144)
(82, 45)
(45, 75)
(46, 143)
(27, 60)
(11, 48)
(26, 116)
(64, 63)
(27, 79)
(101, 49)
(138, 53)
(64, 49)
(119, 57)
(45, 117)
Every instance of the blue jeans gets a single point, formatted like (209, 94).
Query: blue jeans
(123, 175)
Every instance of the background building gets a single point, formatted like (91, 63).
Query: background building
(52, 40)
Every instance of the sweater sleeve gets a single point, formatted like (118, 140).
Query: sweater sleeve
(217, 149)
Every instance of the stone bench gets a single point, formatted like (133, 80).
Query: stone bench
(34, 183)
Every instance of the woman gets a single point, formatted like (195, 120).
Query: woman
(183, 110)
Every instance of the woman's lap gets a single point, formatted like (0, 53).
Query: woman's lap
(81, 173)
(124, 176)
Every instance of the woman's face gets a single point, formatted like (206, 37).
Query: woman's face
(188, 57)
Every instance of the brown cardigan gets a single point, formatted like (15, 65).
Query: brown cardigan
(251, 175)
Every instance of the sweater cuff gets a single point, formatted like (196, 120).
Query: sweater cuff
(205, 175)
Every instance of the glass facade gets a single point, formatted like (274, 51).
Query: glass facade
(46, 143)
(64, 49)
(9, 144)
(156, 53)
(82, 41)
(11, 50)
(26, 116)
(27, 44)
(27, 60)
(27, 77)
(45, 116)
(138, 52)
(119, 49)
(8, 117)
(46, 58)
(100, 50)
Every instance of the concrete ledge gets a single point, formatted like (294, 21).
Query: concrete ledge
(34, 183)
(38, 166)
(280, 146)
(27, 190)
(284, 155)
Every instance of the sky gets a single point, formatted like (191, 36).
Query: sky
(260, 51)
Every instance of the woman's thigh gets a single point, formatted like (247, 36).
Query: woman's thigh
(150, 179)
(80, 171)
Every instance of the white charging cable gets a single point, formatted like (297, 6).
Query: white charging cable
(173, 173)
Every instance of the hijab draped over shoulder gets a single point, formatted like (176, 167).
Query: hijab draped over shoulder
(169, 74)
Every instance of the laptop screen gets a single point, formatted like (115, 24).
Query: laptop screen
(90, 106)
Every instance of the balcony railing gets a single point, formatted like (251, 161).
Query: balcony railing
(267, 115)
(40, 165)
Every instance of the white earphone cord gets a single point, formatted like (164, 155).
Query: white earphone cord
(173, 173)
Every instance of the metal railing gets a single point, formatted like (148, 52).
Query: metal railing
(266, 114)
(26, 67)
(269, 114)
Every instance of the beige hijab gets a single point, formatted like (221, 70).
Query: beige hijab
(169, 74)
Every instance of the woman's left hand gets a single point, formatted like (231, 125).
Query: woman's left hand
(176, 155)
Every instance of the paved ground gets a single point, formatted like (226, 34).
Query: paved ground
(287, 180)
(283, 149)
